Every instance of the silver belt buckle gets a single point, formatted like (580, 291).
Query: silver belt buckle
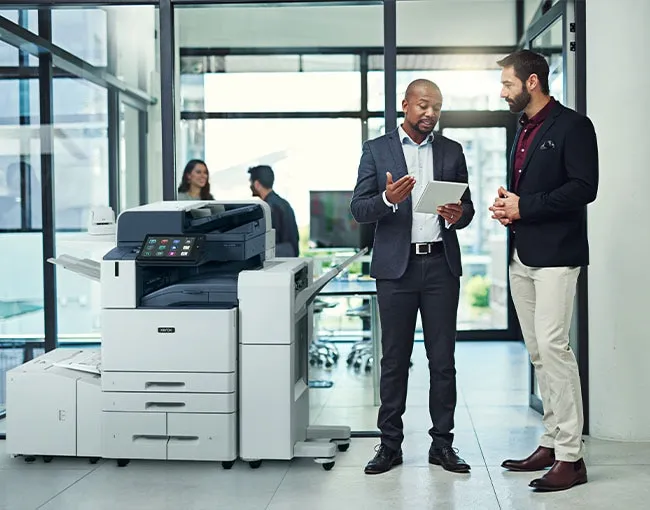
(426, 248)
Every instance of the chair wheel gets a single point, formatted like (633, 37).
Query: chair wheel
(93, 460)
(343, 447)
(47, 460)
(122, 462)
(254, 464)
(30, 458)
(228, 464)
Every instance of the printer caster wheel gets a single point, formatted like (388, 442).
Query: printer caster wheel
(47, 460)
(254, 464)
(30, 458)
(327, 466)
(93, 460)
(228, 464)
(343, 447)
(122, 462)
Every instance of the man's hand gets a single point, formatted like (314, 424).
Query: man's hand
(505, 207)
(451, 213)
(397, 192)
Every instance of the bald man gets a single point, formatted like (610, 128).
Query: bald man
(416, 263)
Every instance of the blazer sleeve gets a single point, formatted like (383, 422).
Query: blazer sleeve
(466, 199)
(367, 204)
(580, 189)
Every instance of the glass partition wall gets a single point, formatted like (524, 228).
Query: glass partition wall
(73, 115)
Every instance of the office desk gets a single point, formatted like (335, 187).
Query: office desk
(349, 288)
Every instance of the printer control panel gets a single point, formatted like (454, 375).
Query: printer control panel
(168, 248)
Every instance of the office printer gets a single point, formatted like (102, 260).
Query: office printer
(193, 302)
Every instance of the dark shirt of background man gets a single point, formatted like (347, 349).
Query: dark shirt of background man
(283, 218)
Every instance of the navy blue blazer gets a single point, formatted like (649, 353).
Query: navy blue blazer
(392, 245)
(559, 178)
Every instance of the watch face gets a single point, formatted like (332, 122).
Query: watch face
(168, 247)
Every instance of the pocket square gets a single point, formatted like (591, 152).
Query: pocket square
(548, 144)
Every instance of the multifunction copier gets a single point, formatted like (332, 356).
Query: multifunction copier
(204, 353)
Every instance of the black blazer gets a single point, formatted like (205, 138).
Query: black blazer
(391, 250)
(559, 178)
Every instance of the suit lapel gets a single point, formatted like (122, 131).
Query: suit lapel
(437, 149)
(395, 145)
(532, 149)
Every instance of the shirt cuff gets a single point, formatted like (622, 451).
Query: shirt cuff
(447, 225)
(392, 206)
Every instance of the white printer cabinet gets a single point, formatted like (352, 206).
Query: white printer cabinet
(169, 384)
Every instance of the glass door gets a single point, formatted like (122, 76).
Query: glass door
(485, 310)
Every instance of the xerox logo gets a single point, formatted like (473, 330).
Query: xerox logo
(166, 330)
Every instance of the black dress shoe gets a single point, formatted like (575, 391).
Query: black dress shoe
(448, 458)
(385, 459)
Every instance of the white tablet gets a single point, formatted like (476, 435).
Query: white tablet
(438, 193)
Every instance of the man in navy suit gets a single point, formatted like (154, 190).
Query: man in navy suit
(416, 263)
(553, 175)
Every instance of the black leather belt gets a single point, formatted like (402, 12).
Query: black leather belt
(427, 248)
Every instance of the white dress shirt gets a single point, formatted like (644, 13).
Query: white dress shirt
(425, 228)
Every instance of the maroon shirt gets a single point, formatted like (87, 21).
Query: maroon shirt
(529, 129)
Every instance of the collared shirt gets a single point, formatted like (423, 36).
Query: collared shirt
(529, 129)
(419, 162)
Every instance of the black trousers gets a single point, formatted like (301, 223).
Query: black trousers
(427, 285)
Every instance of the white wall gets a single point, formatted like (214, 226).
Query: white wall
(619, 277)
(419, 23)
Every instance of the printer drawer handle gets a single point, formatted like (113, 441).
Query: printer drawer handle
(164, 384)
(163, 405)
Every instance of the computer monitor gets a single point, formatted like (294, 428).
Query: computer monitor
(331, 224)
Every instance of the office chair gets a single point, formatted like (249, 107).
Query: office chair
(321, 353)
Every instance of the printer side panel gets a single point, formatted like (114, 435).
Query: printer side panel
(118, 284)
(274, 402)
(42, 404)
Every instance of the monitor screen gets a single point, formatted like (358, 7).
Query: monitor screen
(331, 224)
(163, 247)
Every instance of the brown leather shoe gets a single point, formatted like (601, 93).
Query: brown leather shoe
(541, 458)
(562, 476)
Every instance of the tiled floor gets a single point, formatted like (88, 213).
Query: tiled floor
(492, 422)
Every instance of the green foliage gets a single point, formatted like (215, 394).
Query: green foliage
(478, 291)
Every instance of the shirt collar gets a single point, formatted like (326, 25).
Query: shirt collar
(540, 116)
(405, 138)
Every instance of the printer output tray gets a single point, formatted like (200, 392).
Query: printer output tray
(197, 292)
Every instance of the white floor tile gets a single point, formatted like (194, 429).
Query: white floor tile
(609, 487)
(403, 487)
(173, 485)
(27, 489)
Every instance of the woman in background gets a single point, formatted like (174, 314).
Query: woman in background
(195, 184)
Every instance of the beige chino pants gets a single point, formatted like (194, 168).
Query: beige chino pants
(543, 298)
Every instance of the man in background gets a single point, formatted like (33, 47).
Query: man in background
(282, 216)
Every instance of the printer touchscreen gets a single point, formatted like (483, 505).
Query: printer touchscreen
(177, 248)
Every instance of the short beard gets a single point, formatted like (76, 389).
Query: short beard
(520, 102)
(416, 127)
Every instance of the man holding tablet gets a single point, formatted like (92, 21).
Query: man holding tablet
(416, 262)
